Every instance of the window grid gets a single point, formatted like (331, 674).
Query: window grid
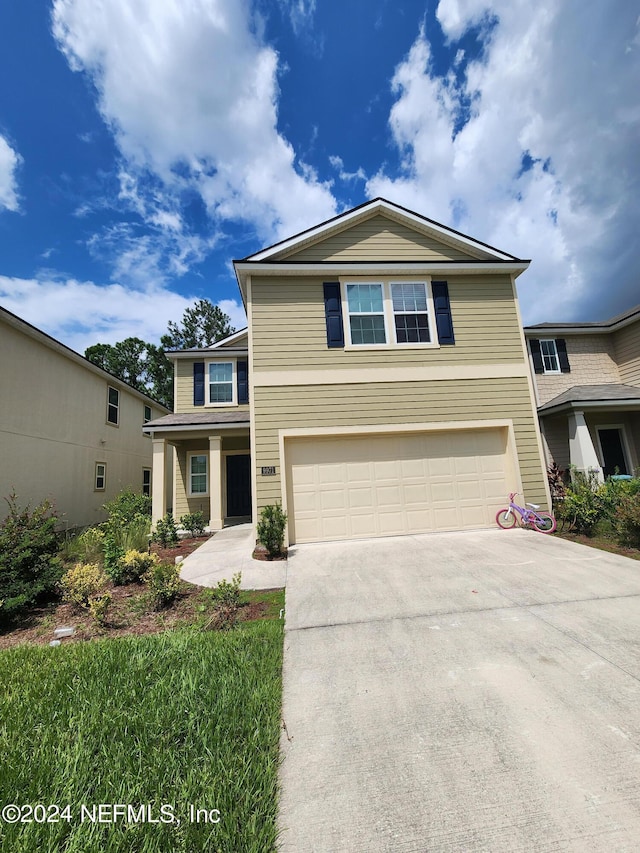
(100, 477)
(549, 353)
(411, 318)
(366, 313)
(198, 474)
(221, 382)
(113, 406)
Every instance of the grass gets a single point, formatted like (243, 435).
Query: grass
(183, 717)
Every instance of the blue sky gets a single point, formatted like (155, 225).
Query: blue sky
(146, 143)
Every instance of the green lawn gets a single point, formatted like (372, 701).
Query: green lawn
(179, 718)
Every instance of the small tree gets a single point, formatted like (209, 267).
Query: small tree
(270, 529)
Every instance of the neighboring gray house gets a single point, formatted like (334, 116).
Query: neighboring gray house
(69, 431)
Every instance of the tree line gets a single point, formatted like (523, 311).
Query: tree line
(144, 365)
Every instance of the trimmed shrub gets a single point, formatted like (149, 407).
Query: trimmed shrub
(270, 529)
(627, 521)
(83, 582)
(193, 522)
(163, 581)
(29, 566)
(131, 567)
(166, 532)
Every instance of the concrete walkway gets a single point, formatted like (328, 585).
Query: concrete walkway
(227, 553)
(461, 692)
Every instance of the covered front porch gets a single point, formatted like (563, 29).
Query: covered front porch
(593, 428)
(211, 462)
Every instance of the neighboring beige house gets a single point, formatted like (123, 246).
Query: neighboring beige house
(587, 382)
(381, 387)
(69, 431)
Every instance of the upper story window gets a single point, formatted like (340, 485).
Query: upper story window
(389, 313)
(113, 406)
(220, 381)
(549, 353)
(147, 414)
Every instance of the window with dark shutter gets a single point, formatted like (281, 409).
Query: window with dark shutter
(333, 314)
(563, 358)
(536, 355)
(198, 383)
(242, 368)
(442, 307)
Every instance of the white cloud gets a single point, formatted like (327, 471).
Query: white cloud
(190, 93)
(559, 84)
(81, 313)
(9, 162)
(301, 13)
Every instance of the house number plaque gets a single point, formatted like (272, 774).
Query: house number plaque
(268, 470)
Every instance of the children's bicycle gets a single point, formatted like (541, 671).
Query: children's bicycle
(543, 522)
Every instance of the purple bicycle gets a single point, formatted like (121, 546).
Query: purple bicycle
(543, 522)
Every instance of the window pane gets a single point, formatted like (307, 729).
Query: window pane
(199, 464)
(412, 328)
(409, 297)
(113, 396)
(221, 393)
(367, 330)
(549, 355)
(112, 414)
(147, 414)
(364, 298)
(222, 372)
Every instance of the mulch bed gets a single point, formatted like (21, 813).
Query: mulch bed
(182, 549)
(602, 543)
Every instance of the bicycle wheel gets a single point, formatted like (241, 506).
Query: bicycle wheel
(544, 522)
(506, 518)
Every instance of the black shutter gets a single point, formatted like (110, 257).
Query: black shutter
(536, 355)
(563, 358)
(198, 383)
(444, 323)
(333, 314)
(243, 381)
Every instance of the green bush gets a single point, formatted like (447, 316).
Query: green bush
(226, 601)
(270, 529)
(166, 532)
(81, 583)
(131, 567)
(583, 506)
(163, 581)
(113, 548)
(29, 566)
(99, 606)
(127, 506)
(193, 522)
(627, 522)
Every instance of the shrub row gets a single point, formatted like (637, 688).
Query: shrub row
(588, 504)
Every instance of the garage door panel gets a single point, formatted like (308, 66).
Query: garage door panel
(344, 487)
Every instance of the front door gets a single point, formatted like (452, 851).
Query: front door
(612, 452)
(238, 485)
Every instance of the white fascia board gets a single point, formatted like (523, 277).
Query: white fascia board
(581, 405)
(342, 221)
(235, 336)
(196, 427)
(208, 353)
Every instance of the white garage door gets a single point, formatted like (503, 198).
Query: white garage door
(385, 485)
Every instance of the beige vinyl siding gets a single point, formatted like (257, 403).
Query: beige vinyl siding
(387, 404)
(380, 239)
(184, 389)
(627, 351)
(185, 504)
(289, 330)
(592, 362)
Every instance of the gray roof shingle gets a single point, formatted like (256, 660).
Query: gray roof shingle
(593, 394)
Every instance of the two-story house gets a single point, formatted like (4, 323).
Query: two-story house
(587, 385)
(69, 431)
(381, 387)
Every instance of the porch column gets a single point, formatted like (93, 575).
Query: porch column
(582, 453)
(215, 483)
(158, 480)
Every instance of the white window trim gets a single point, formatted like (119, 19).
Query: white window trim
(190, 456)
(117, 406)
(234, 382)
(102, 488)
(555, 349)
(623, 440)
(389, 316)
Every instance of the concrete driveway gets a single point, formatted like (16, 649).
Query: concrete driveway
(467, 692)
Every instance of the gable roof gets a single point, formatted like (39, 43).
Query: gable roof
(237, 343)
(45, 339)
(372, 208)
